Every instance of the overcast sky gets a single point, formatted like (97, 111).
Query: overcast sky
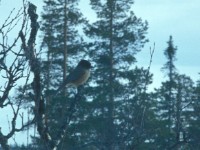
(179, 18)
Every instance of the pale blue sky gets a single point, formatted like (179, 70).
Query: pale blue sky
(179, 18)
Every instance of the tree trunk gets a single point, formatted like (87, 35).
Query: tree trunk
(65, 44)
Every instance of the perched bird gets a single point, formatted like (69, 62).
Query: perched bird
(78, 76)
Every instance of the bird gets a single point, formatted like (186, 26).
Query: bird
(78, 76)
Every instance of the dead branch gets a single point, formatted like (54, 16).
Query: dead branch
(12, 74)
(30, 55)
(63, 130)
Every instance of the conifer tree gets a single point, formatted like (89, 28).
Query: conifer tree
(167, 97)
(61, 20)
(173, 97)
(170, 69)
(116, 36)
(61, 39)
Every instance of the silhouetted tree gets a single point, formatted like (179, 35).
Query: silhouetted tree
(173, 97)
(64, 47)
(118, 90)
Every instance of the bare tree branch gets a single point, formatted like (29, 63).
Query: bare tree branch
(63, 130)
(11, 72)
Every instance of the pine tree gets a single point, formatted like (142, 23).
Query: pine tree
(117, 36)
(167, 97)
(61, 38)
(49, 40)
(173, 97)
(61, 20)
(170, 69)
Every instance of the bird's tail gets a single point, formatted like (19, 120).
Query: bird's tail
(61, 88)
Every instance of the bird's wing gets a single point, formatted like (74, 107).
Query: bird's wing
(75, 75)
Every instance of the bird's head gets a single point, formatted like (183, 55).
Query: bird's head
(84, 63)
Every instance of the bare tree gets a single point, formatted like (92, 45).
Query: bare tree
(13, 69)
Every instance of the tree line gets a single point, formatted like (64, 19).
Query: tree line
(113, 110)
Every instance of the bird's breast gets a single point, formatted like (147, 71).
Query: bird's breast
(83, 78)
